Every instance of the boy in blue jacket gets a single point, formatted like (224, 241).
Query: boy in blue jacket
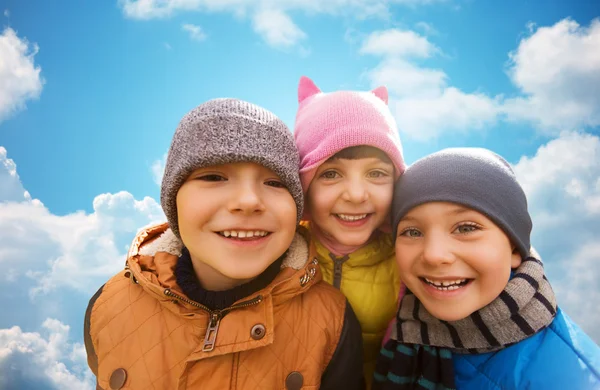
(479, 312)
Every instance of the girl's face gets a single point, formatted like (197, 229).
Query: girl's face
(349, 198)
(454, 259)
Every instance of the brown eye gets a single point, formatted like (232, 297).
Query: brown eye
(211, 177)
(377, 174)
(330, 175)
(275, 183)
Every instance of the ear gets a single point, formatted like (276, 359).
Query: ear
(382, 93)
(306, 88)
(515, 258)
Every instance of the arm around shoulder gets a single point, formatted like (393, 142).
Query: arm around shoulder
(345, 370)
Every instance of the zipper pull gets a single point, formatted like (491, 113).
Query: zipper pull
(211, 332)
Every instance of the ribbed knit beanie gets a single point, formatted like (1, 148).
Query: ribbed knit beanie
(473, 177)
(224, 131)
(326, 123)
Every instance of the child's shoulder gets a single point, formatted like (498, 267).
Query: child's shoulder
(560, 356)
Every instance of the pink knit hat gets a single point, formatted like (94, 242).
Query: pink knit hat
(326, 123)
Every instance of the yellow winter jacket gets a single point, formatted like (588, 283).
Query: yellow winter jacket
(369, 279)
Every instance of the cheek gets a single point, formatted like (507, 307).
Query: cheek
(286, 210)
(190, 212)
(317, 201)
(383, 196)
(404, 258)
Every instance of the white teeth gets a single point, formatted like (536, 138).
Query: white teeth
(446, 285)
(347, 217)
(244, 233)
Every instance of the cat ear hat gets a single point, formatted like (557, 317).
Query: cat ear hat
(327, 123)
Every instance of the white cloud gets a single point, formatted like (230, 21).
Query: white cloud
(450, 110)
(151, 9)
(571, 165)
(277, 28)
(158, 169)
(563, 191)
(577, 290)
(30, 360)
(407, 80)
(427, 28)
(11, 188)
(19, 76)
(557, 69)
(6, 13)
(399, 43)
(195, 32)
(423, 103)
(270, 19)
(78, 250)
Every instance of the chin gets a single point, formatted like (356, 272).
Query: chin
(354, 240)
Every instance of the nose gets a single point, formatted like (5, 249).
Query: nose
(247, 198)
(356, 191)
(437, 250)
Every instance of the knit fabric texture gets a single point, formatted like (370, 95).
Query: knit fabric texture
(224, 131)
(326, 123)
(473, 177)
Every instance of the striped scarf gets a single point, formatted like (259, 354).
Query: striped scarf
(419, 353)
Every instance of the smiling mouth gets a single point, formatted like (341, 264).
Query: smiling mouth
(244, 234)
(446, 285)
(351, 217)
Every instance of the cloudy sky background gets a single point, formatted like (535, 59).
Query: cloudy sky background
(91, 92)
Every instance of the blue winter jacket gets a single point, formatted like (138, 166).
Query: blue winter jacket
(560, 357)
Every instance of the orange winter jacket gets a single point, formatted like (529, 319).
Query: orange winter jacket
(142, 332)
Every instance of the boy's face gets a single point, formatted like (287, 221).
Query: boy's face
(236, 220)
(454, 259)
(349, 199)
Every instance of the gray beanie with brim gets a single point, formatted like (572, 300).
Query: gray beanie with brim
(472, 177)
(225, 131)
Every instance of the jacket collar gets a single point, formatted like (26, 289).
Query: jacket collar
(155, 250)
(380, 248)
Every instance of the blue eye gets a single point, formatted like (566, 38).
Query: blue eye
(467, 228)
(411, 233)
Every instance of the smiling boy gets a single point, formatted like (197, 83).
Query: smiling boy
(479, 313)
(225, 295)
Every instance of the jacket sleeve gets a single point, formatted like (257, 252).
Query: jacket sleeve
(92, 358)
(345, 370)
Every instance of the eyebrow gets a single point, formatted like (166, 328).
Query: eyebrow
(456, 210)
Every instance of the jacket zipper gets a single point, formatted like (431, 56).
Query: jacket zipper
(215, 316)
(337, 269)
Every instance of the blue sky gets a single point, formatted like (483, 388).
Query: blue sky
(91, 92)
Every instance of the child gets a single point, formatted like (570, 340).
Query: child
(226, 295)
(479, 312)
(350, 156)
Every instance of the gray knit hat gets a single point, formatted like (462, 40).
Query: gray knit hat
(473, 177)
(223, 131)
